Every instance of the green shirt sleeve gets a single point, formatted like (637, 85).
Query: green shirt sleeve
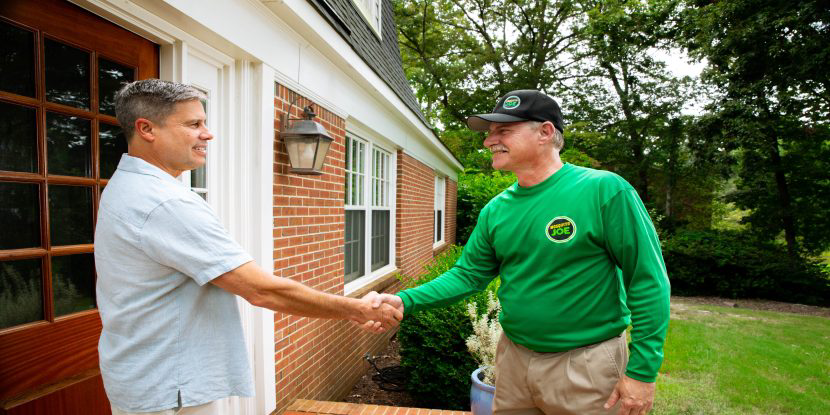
(472, 273)
(633, 244)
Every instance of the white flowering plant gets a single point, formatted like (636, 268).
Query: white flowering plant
(483, 342)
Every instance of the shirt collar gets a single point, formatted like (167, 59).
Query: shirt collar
(138, 165)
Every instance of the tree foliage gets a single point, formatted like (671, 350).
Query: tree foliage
(768, 61)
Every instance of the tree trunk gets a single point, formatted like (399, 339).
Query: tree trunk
(783, 196)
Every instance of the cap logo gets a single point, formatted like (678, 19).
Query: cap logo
(511, 102)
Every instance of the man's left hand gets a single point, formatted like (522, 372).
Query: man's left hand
(636, 398)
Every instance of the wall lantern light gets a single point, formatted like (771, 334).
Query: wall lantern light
(306, 141)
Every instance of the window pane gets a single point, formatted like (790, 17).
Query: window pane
(19, 215)
(355, 241)
(68, 145)
(17, 60)
(73, 283)
(18, 138)
(70, 215)
(21, 292)
(111, 77)
(380, 239)
(438, 225)
(198, 177)
(113, 145)
(67, 74)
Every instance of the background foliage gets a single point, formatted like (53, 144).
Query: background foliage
(745, 147)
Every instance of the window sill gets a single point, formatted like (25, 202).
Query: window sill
(438, 247)
(379, 284)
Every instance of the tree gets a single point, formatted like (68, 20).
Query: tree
(769, 60)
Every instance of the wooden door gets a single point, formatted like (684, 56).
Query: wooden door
(60, 66)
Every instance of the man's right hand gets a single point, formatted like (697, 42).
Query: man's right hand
(382, 302)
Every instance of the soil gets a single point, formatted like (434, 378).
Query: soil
(367, 391)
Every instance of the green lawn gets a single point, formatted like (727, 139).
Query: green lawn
(721, 360)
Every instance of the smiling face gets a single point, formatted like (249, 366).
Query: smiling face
(514, 145)
(180, 141)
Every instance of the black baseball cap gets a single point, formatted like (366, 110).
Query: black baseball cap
(520, 105)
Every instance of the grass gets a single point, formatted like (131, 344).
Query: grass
(721, 360)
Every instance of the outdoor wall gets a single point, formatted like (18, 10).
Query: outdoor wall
(450, 203)
(416, 201)
(315, 359)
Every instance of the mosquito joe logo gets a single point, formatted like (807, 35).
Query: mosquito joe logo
(511, 102)
(561, 229)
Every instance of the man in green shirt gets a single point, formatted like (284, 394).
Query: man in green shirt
(579, 260)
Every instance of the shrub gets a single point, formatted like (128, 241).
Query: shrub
(433, 349)
(735, 265)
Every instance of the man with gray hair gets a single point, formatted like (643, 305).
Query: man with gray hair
(579, 261)
(172, 339)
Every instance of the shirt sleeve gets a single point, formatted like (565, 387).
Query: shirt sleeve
(633, 243)
(186, 235)
(475, 269)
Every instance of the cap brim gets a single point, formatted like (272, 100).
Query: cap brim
(481, 122)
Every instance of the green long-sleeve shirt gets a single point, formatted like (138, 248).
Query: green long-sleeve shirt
(579, 261)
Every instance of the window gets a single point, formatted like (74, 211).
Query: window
(371, 10)
(369, 207)
(51, 174)
(440, 185)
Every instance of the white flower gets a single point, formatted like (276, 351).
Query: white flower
(483, 342)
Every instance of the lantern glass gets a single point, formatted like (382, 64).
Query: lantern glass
(322, 150)
(301, 151)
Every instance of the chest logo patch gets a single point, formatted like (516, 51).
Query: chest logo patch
(561, 229)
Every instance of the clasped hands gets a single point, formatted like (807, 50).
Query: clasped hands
(380, 312)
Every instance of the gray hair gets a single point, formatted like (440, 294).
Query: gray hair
(558, 138)
(152, 99)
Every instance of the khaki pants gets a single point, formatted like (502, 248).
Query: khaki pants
(575, 382)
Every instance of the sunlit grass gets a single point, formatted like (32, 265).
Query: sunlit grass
(721, 360)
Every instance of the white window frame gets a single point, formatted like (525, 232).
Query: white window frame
(369, 203)
(440, 203)
(372, 11)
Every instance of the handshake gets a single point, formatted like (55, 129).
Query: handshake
(379, 312)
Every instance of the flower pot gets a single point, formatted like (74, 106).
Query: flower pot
(481, 395)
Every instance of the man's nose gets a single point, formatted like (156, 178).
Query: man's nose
(490, 140)
(206, 135)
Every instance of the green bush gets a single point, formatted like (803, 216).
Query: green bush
(733, 264)
(433, 350)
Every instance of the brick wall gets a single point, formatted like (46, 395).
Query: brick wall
(450, 206)
(315, 359)
(415, 216)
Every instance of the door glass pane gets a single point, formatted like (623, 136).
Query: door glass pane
(67, 74)
(21, 292)
(68, 145)
(111, 77)
(17, 60)
(112, 145)
(70, 215)
(353, 251)
(19, 215)
(18, 138)
(73, 283)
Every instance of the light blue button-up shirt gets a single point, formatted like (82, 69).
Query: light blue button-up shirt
(170, 338)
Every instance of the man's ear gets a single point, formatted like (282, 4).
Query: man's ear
(546, 132)
(144, 129)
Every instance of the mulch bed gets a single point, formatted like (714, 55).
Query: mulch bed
(367, 391)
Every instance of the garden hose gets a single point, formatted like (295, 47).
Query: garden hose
(392, 378)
